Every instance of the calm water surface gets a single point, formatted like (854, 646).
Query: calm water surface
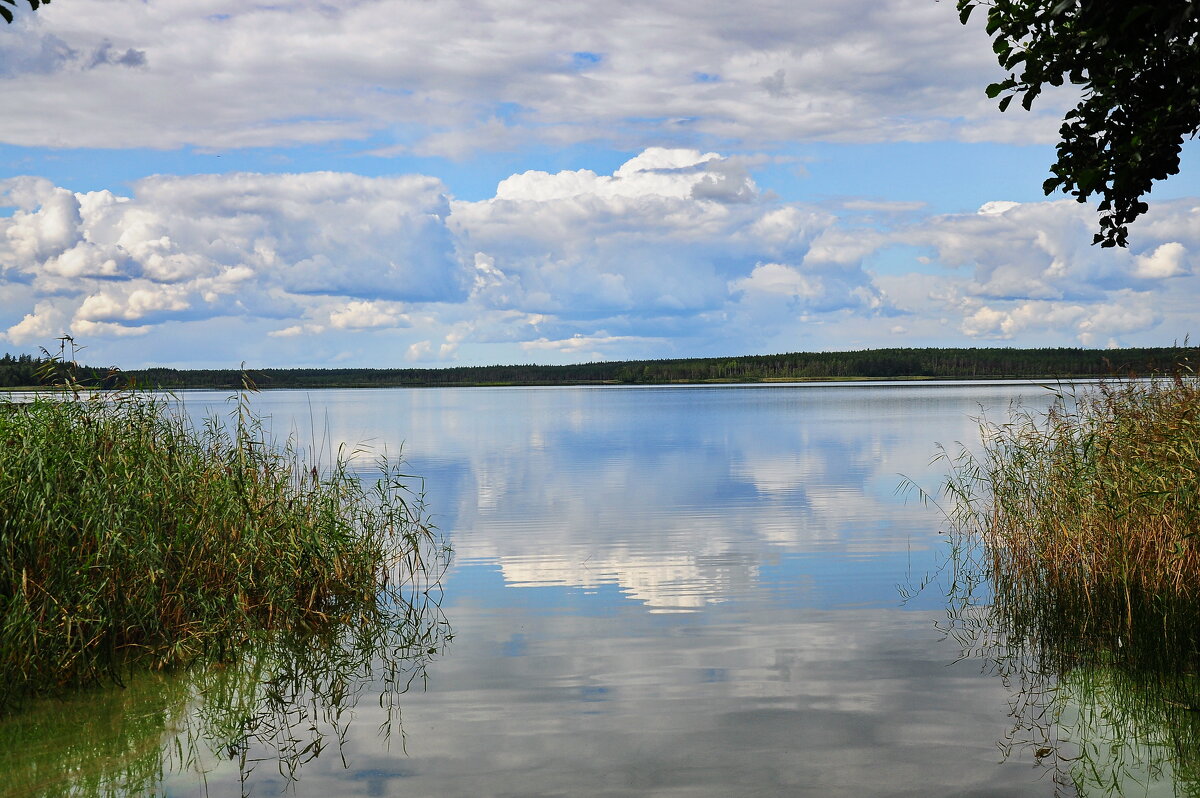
(676, 591)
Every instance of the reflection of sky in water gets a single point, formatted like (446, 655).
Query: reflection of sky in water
(679, 591)
(680, 497)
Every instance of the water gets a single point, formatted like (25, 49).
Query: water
(668, 591)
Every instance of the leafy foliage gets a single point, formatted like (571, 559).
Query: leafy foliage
(1139, 66)
(8, 15)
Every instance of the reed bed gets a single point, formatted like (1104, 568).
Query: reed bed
(1075, 547)
(1099, 496)
(131, 538)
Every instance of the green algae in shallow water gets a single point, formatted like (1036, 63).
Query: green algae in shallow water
(281, 703)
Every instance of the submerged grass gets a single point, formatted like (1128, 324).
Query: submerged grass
(129, 537)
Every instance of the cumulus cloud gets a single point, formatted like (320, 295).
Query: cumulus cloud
(676, 252)
(48, 231)
(1168, 260)
(360, 314)
(45, 321)
(187, 249)
(647, 252)
(657, 172)
(1091, 325)
(1027, 272)
(458, 76)
(775, 278)
(641, 240)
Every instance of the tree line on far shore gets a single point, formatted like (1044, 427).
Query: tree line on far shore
(932, 363)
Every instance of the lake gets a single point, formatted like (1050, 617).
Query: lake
(654, 591)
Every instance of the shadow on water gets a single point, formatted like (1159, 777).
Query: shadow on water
(1104, 688)
(281, 703)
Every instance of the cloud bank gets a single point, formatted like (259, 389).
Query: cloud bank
(677, 252)
(458, 76)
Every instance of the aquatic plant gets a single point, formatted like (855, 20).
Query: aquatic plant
(1095, 501)
(1098, 721)
(1075, 577)
(131, 538)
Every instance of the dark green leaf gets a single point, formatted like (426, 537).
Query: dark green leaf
(996, 89)
(1015, 59)
(995, 20)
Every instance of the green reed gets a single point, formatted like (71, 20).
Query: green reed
(1076, 579)
(1095, 502)
(131, 538)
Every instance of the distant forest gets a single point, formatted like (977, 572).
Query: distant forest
(889, 364)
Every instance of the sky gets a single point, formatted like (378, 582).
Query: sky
(395, 183)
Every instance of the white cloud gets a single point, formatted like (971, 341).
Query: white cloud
(101, 329)
(288, 332)
(657, 172)
(584, 346)
(359, 314)
(134, 301)
(1017, 251)
(775, 278)
(1027, 273)
(47, 232)
(420, 351)
(229, 245)
(664, 237)
(47, 320)
(1165, 261)
(998, 206)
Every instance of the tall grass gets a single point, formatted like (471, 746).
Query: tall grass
(1096, 502)
(129, 537)
(1075, 537)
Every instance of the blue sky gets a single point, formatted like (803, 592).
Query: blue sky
(400, 182)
